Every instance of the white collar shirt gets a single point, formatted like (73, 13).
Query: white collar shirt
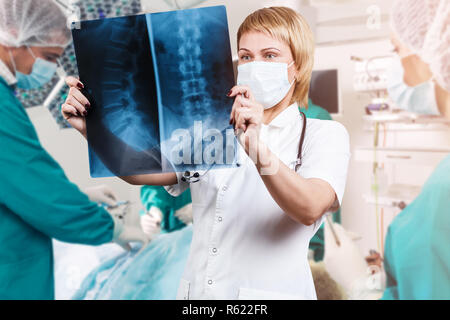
(244, 246)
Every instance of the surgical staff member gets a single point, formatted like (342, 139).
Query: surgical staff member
(253, 224)
(417, 254)
(37, 201)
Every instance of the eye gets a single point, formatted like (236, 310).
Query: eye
(245, 57)
(51, 58)
(271, 55)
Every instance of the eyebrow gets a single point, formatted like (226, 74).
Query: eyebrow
(271, 49)
(265, 49)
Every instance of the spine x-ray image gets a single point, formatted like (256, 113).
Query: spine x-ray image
(157, 84)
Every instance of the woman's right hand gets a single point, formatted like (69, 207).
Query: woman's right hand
(76, 106)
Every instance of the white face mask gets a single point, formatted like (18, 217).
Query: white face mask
(419, 99)
(268, 81)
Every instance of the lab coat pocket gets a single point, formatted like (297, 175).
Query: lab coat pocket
(253, 294)
(183, 290)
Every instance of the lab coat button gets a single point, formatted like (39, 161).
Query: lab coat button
(214, 250)
(210, 282)
(219, 219)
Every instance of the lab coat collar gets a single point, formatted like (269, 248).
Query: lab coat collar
(286, 116)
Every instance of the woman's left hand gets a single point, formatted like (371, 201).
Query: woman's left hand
(246, 115)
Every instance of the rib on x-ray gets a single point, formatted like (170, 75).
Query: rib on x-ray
(157, 85)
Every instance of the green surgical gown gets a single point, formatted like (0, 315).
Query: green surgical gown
(317, 242)
(37, 203)
(417, 252)
(157, 196)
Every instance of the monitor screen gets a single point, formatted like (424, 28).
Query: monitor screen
(324, 90)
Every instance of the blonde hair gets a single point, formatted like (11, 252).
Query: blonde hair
(285, 24)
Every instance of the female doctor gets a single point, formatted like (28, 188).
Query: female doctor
(253, 223)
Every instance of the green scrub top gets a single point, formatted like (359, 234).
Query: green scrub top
(157, 196)
(37, 203)
(317, 243)
(417, 254)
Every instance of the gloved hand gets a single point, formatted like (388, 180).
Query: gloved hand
(344, 261)
(151, 221)
(185, 214)
(127, 227)
(101, 194)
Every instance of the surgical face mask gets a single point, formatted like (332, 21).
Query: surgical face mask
(268, 81)
(42, 72)
(419, 99)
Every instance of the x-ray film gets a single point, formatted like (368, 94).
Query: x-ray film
(157, 84)
(50, 95)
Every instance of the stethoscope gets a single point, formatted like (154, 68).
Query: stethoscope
(189, 178)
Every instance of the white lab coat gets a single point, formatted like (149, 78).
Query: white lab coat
(244, 246)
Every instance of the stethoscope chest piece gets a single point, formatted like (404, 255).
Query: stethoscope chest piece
(187, 177)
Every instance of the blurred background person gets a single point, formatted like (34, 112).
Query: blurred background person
(37, 201)
(417, 256)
